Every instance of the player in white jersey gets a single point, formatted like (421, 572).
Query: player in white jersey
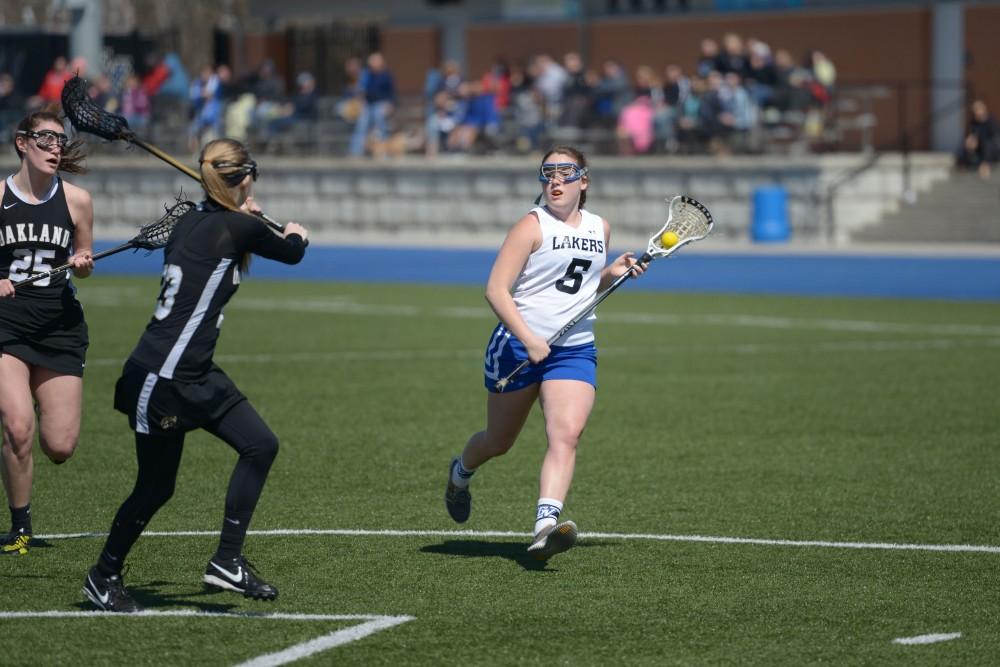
(553, 262)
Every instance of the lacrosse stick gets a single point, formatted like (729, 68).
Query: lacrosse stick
(688, 221)
(150, 237)
(86, 116)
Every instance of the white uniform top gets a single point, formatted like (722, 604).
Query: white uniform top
(562, 276)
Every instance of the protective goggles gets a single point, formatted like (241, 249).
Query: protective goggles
(46, 138)
(242, 169)
(564, 172)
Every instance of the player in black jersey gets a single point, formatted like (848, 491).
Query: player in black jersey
(170, 384)
(44, 222)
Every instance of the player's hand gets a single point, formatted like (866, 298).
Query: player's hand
(6, 289)
(538, 350)
(82, 263)
(250, 206)
(296, 228)
(626, 261)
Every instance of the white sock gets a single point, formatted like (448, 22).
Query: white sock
(460, 475)
(547, 513)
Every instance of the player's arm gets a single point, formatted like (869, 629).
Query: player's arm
(620, 265)
(255, 236)
(81, 210)
(6, 286)
(522, 240)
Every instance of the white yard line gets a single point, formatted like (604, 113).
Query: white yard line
(351, 532)
(927, 639)
(369, 626)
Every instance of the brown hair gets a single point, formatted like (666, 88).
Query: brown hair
(72, 157)
(224, 163)
(581, 162)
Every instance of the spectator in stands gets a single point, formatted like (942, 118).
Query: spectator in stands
(791, 92)
(611, 94)
(550, 80)
(528, 110)
(480, 120)
(441, 122)
(981, 147)
(352, 96)
(269, 93)
(576, 93)
(739, 113)
(12, 103)
(761, 78)
(135, 103)
(52, 84)
(732, 57)
(206, 108)
(177, 83)
(691, 135)
(379, 103)
(102, 93)
(709, 59)
(676, 88)
(823, 76)
(301, 109)
(635, 126)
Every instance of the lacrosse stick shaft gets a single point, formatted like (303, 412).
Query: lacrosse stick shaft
(646, 258)
(59, 269)
(174, 162)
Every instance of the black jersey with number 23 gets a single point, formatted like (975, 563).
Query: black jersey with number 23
(200, 274)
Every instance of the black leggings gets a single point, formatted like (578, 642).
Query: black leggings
(159, 457)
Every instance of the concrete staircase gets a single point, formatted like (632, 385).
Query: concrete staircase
(962, 209)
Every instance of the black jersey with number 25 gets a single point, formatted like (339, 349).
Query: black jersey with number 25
(35, 238)
(200, 274)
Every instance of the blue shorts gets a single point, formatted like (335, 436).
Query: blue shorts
(504, 352)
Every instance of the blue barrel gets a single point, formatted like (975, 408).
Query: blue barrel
(770, 215)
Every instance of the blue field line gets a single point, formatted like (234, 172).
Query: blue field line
(959, 278)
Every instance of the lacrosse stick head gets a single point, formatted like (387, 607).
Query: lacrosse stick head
(688, 220)
(155, 235)
(86, 116)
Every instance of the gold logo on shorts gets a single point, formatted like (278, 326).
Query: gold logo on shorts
(168, 422)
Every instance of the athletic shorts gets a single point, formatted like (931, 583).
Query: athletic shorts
(50, 333)
(158, 406)
(504, 352)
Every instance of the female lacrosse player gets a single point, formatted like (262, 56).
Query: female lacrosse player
(43, 336)
(549, 267)
(170, 384)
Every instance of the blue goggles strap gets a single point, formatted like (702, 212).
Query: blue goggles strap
(568, 170)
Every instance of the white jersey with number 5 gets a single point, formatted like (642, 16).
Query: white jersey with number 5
(562, 276)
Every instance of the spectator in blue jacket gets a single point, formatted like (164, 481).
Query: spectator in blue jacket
(379, 103)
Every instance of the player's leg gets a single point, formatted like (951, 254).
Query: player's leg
(245, 431)
(158, 459)
(505, 416)
(566, 405)
(17, 415)
(59, 398)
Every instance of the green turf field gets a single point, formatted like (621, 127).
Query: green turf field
(841, 423)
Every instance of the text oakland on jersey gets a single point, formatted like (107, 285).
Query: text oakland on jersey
(54, 235)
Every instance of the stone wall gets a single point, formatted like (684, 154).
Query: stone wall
(473, 201)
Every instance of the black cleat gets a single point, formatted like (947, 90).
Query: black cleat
(553, 540)
(240, 576)
(108, 593)
(15, 543)
(456, 499)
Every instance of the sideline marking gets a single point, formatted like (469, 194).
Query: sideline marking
(927, 639)
(371, 625)
(360, 532)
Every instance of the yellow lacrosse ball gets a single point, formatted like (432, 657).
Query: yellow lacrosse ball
(668, 239)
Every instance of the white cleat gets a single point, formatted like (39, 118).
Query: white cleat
(553, 540)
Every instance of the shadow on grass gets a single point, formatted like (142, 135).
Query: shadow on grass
(514, 551)
(150, 596)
